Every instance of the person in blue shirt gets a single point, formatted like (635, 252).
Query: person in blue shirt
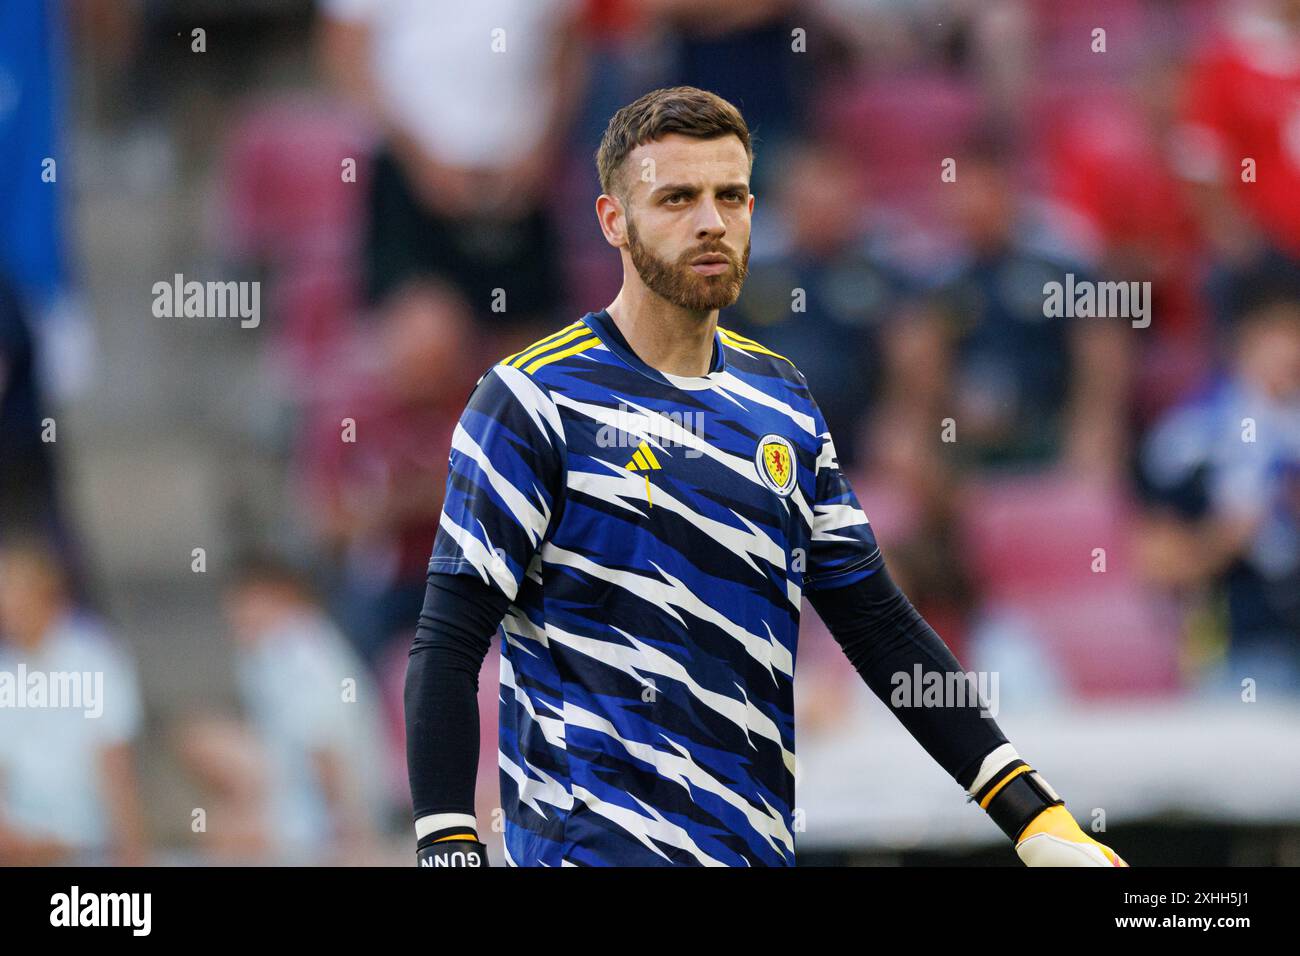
(1221, 475)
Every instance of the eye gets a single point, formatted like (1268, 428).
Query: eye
(672, 199)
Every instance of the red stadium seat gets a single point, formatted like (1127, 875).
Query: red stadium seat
(314, 311)
(1030, 533)
(901, 128)
(1109, 641)
(1030, 541)
(284, 197)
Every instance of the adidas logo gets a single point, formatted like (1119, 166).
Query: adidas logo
(643, 459)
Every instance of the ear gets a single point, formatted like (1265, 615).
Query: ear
(613, 223)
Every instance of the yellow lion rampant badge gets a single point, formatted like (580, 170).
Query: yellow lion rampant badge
(774, 460)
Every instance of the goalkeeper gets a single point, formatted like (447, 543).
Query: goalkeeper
(638, 503)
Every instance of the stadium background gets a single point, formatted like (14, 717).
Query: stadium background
(923, 302)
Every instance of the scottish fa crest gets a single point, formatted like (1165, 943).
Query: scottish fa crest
(774, 460)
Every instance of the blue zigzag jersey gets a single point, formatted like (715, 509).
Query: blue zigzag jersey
(654, 534)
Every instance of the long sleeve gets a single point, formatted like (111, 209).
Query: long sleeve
(886, 639)
(460, 614)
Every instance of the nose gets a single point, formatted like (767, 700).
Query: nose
(710, 224)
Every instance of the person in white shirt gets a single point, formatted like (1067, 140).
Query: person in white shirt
(473, 102)
(301, 779)
(69, 711)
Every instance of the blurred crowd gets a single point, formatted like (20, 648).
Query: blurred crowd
(1096, 507)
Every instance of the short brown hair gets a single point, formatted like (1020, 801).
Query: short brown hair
(678, 109)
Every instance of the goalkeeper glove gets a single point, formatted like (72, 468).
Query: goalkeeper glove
(1054, 839)
(449, 846)
(1031, 813)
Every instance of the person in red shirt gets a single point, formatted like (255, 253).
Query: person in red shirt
(1112, 158)
(1243, 104)
(375, 489)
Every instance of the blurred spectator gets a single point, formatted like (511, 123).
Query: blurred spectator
(1027, 389)
(1112, 158)
(1223, 476)
(912, 498)
(376, 498)
(34, 251)
(67, 780)
(302, 779)
(743, 50)
(819, 291)
(908, 486)
(474, 102)
(1243, 105)
(28, 489)
(31, 112)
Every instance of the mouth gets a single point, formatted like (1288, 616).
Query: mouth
(711, 264)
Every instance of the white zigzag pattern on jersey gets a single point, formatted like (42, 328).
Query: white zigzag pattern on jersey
(533, 397)
(644, 827)
(622, 483)
(801, 503)
(742, 466)
(518, 628)
(833, 517)
(643, 658)
(481, 555)
(533, 793)
(727, 382)
(678, 766)
(671, 593)
(619, 487)
(826, 457)
(670, 432)
(534, 519)
(552, 727)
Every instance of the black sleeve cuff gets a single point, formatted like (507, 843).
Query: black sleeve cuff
(1016, 795)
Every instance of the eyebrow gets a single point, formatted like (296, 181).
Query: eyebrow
(692, 190)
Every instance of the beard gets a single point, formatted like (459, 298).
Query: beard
(679, 284)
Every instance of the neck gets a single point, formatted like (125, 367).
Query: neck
(668, 338)
(34, 633)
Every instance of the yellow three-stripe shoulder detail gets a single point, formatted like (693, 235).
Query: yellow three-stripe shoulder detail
(541, 345)
(570, 340)
(735, 340)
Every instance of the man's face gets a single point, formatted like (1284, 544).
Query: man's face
(688, 209)
(254, 609)
(422, 339)
(983, 207)
(1269, 353)
(30, 599)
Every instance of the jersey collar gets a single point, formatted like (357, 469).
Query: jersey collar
(602, 323)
